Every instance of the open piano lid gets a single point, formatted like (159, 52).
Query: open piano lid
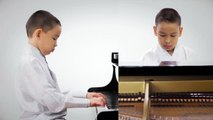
(111, 92)
(112, 86)
(165, 70)
(168, 72)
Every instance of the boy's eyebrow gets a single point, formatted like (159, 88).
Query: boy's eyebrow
(162, 32)
(56, 36)
(174, 33)
(165, 33)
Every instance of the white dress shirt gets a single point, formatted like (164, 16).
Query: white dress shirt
(38, 92)
(182, 55)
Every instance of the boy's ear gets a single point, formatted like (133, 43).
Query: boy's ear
(155, 30)
(181, 30)
(37, 33)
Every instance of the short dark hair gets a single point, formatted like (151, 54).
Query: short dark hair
(41, 19)
(168, 15)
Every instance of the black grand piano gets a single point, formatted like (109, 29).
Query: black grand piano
(111, 93)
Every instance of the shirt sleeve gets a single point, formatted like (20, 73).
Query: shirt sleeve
(76, 93)
(41, 88)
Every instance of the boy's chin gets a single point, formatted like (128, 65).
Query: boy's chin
(53, 49)
(169, 50)
(49, 53)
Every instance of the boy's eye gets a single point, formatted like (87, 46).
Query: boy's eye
(54, 38)
(163, 35)
(173, 35)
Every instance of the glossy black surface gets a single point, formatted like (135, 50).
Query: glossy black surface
(111, 93)
(165, 70)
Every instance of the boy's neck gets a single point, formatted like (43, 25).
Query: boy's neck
(171, 52)
(33, 42)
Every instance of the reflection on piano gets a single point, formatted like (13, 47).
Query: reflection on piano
(166, 93)
(168, 63)
(111, 93)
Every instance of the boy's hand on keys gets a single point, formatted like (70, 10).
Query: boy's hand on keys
(94, 94)
(97, 101)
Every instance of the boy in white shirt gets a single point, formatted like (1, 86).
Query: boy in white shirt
(37, 90)
(169, 52)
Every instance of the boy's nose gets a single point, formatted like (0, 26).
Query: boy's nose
(167, 40)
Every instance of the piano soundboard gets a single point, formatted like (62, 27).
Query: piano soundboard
(173, 95)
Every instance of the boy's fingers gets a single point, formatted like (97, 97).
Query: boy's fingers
(104, 100)
(101, 95)
(93, 94)
(97, 102)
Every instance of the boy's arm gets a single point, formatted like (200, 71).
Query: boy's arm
(38, 86)
(77, 94)
(83, 94)
(94, 99)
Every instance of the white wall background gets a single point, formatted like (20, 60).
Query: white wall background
(91, 30)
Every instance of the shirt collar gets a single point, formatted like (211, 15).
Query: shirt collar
(35, 51)
(165, 52)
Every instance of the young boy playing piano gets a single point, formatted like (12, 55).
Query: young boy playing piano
(168, 30)
(37, 89)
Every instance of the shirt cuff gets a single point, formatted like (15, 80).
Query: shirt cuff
(73, 102)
